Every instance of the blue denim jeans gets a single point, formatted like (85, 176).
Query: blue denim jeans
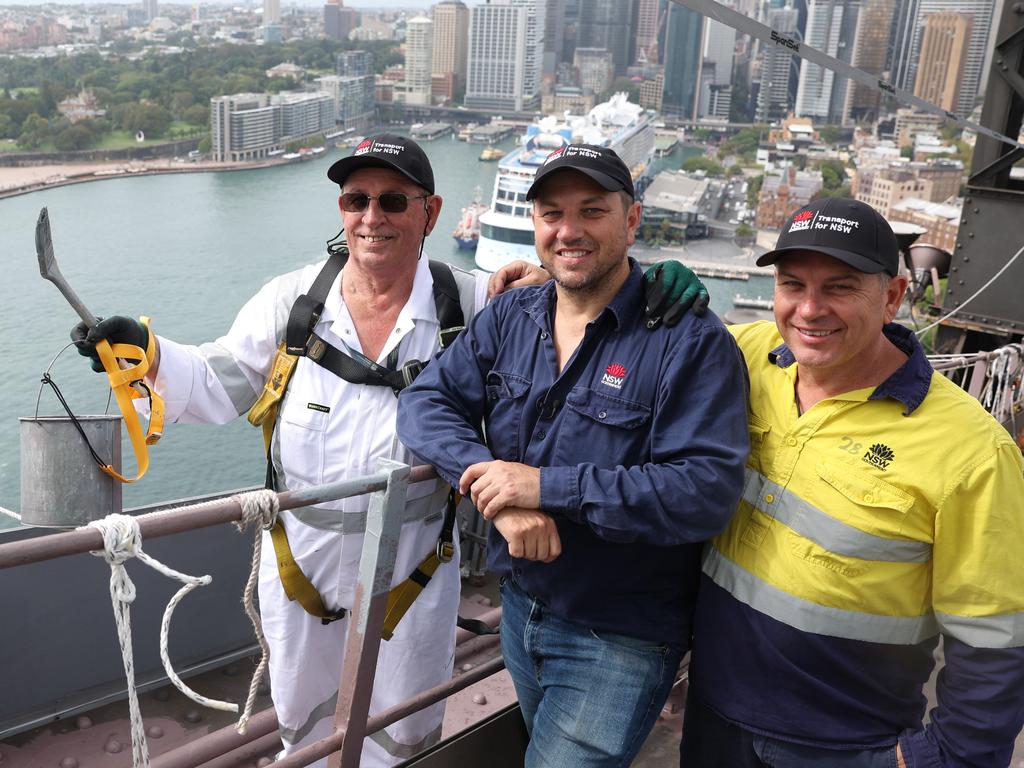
(711, 741)
(589, 698)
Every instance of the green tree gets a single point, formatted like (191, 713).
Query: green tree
(830, 134)
(744, 230)
(197, 115)
(34, 131)
(73, 138)
(6, 127)
(701, 163)
(833, 175)
(753, 189)
(204, 144)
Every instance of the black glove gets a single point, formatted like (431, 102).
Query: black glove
(116, 330)
(671, 289)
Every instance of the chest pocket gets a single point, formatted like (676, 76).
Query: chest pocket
(595, 422)
(758, 430)
(506, 399)
(302, 432)
(867, 503)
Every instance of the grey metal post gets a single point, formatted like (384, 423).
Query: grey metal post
(362, 643)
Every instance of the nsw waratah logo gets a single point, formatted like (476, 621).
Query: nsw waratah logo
(614, 375)
(554, 155)
(879, 455)
(364, 147)
(802, 221)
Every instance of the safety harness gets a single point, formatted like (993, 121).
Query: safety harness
(302, 341)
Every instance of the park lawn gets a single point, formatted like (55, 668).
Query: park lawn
(125, 139)
(8, 145)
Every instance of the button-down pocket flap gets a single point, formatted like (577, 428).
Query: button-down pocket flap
(758, 428)
(863, 489)
(510, 385)
(614, 411)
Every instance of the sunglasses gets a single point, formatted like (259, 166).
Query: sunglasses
(389, 202)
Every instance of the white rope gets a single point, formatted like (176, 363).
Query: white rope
(10, 513)
(257, 507)
(121, 541)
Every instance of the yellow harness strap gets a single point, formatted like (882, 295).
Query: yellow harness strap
(401, 598)
(121, 381)
(296, 586)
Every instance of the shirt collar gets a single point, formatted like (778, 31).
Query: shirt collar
(909, 384)
(625, 304)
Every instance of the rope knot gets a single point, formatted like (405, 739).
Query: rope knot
(258, 507)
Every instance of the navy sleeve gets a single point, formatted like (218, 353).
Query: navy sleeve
(980, 710)
(440, 415)
(689, 489)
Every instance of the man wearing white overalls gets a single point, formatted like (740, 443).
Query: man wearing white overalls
(381, 308)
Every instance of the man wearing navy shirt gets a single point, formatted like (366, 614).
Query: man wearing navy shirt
(607, 454)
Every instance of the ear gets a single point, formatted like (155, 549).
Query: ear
(894, 294)
(633, 215)
(433, 206)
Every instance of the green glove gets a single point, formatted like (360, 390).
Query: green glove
(672, 289)
(117, 330)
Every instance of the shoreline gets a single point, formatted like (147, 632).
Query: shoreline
(25, 179)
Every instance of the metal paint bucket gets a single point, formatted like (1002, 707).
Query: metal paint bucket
(61, 486)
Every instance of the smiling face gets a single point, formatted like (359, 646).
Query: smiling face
(583, 232)
(377, 239)
(831, 315)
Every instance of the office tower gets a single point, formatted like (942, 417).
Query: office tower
(944, 45)
(596, 68)
(506, 53)
(909, 33)
(338, 20)
(778, 68)
(716, 75)
(650, 17)
(607, 24)
(353, 90)
(870, 53)
(355, 63)
(451, 42)
(271, 12)
(419, 46)
(149, 9)
(684, 32)
(831, 26)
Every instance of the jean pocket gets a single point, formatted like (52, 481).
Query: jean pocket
(638, 644)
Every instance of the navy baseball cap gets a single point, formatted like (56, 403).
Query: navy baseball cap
(388, 151)
(599, 163)
(845, 229)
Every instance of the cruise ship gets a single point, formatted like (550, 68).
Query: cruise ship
(506, 229)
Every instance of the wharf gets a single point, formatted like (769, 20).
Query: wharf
(429, 131)
(488, 134)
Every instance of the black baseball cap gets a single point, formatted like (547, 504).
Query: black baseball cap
(388, 151)
(845, 229)
(599, 163)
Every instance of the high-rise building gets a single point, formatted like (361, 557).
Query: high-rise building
(451, 42)
(650, 15)
(909, 33)
(607, 24)
(716, 76)
(339, 21)
(870, 53)
(554, 36)
(271, 12)
(355, 63)
(506, 53)
(419, 46)
(944, 45)
(149, 9)
(596, 68)
(243, 126)
(777, 93)
(684, 32)
(831, 27)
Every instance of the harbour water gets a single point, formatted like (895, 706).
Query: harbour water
(188, 250)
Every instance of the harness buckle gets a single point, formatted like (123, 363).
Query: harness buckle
(445, 551)
(446, 336)
(341, 613)
(315, 348)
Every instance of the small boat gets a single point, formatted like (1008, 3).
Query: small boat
(467, 232)
(492, 153)
(747, 302)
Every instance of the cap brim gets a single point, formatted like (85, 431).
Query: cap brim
(607, 182)
(345, 167)
(855, 260)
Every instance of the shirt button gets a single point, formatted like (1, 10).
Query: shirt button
(769, 498)
(868, 498)
(792, 441)
(541, 435)
(543, 334)
(602, 415)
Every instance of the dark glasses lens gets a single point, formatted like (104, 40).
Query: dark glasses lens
(389, 202)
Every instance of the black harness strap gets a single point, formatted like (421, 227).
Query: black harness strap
(446, 303)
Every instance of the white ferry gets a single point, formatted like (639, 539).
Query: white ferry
(506, 230)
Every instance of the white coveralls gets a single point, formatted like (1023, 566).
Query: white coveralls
(329, 429)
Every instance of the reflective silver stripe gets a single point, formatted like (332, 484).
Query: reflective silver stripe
(811, 617)
(405, 751)
(823, 529)
(1003, 631)
(230, 376)
(320, 711)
